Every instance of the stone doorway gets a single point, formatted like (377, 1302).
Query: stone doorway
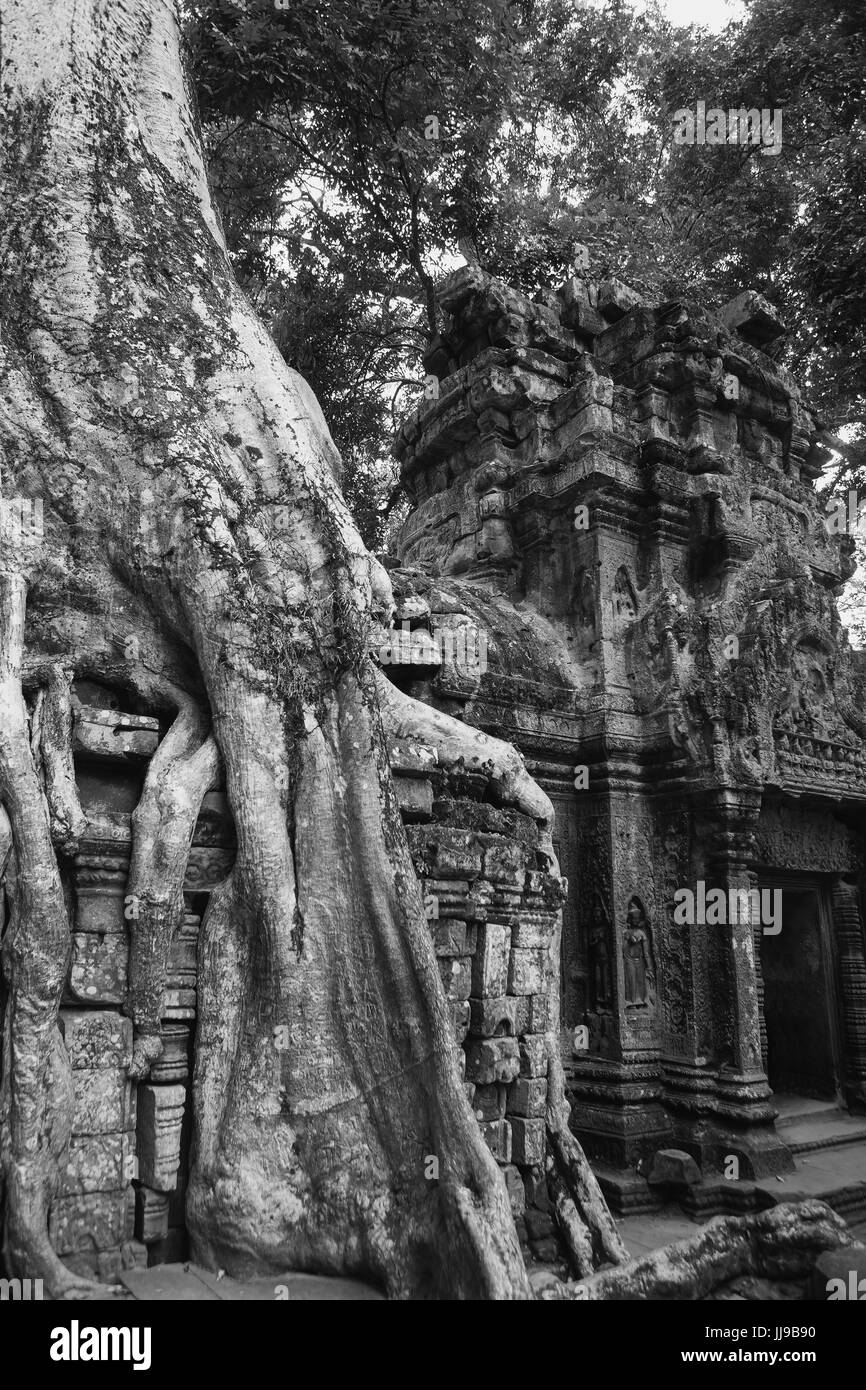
(801, 1015)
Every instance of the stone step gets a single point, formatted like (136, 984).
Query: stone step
(850, 1204)
(793, 1109)
(827, 1129)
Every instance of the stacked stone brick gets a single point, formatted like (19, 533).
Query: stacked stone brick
(122, 1193)
(493, 908)
(494, 912)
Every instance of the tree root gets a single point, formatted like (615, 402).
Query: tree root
(406, 718)
(325, 1076)
(370, 1087)
(782, 1243)
(587, 1227)
(180, 772)
(51, 741)
(36, 1092)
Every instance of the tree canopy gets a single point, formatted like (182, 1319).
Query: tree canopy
(357, 148)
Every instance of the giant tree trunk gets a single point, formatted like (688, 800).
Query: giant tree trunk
(197, 552)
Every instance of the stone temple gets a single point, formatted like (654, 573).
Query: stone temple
(616, 501)
(615, 557)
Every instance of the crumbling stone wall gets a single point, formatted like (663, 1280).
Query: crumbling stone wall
(494, 912)
(495, 915)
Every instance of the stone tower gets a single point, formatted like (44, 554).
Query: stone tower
(615, 503)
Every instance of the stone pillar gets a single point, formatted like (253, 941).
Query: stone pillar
(743, 1120)
(615, 1087)
(850, 944)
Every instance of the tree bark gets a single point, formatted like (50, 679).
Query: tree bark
(190, 502)
(780, 1244)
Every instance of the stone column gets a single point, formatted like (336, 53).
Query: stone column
(851, 947)
(743, 1126)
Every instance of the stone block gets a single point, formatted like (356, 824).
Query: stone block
(449, 938)
(527, 1141)
(494, 1017)
(456, 854)
(516, 1190)
(505, 863)
(497, 1137)
(456, 975)
(98, 971)
(151, 1215)
(160, 1116)
(615, 299)
(104, 1102)
(579, 312)
(100, 905)
(673, 1168)
(408, 757)
(526, 971)
(490, 962)
(533, 1054)
(528, 1097)
(111, 734)
(489, 1102)
(752, 317)
(96, 1163)
(494, 1059)
(95, 1221)
(415, 797)
(533, 1013)
(460, 1014)
(96, 1039)
(534, 931)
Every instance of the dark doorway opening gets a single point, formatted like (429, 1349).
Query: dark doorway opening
(800, 1011)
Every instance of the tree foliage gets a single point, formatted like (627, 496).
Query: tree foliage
(355, 146)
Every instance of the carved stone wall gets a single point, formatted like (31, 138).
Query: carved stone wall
(618, 500)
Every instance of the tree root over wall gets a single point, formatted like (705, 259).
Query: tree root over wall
(193, 519)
